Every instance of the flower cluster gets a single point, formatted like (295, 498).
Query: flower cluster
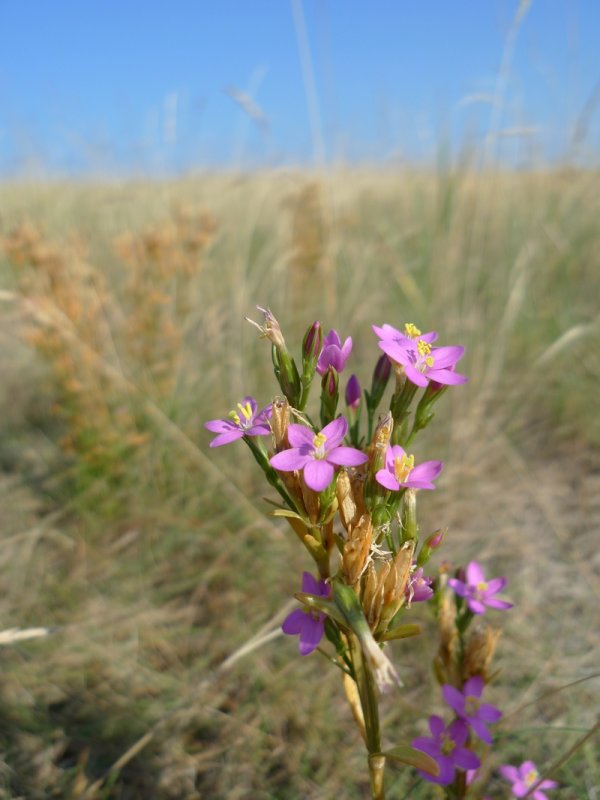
(447, 744)
(349, 490)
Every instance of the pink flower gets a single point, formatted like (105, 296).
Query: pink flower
(305, 622)
(334, 354)
(318, 454)
(446, 747)
(420, 360)
(478, 592)
(467, 706)
(524, 777)
(245, 421)
(400, 471)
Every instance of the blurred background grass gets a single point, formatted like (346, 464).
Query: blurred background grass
(150, 559)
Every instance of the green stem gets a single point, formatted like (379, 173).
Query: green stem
(367, 691)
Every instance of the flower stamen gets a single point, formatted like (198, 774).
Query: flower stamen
(403, 467)
(411, 330)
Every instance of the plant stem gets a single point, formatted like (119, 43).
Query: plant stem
(367, 691)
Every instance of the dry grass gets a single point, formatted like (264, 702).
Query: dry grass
(150, 575)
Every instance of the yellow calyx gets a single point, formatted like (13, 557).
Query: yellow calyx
(319, 441)
(403, 467)
(411, 330)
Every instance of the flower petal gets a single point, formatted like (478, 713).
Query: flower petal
(447, 376)
(476, 606)
(489, 713)
(414, 376)
(289, 460)
(310, 584)
(461, 589)
(335, 432)
(310, 635)
(436, 725)
(226, 438)
(299, 435)
(293, 623)
(480, 729)
(220, 425)
(465, 759)
(510, 773)
(347, 457)
(444, 357)
(385, 478)
(496, 585)
(318, 474)
(427, 471)
(474, 686)
(454, 698)
(475, 573)
(496, 602)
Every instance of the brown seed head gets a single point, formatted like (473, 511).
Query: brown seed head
(356, 550)
(346, 502)
(479, 651)
(280, 420)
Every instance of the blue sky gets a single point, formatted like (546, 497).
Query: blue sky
(125, 86)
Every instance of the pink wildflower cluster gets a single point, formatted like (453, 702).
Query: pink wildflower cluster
(348, 486)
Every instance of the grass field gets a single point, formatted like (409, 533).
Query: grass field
(151, 559)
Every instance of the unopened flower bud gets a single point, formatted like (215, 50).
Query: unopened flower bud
(381, 376)
(329, 395)
(410, 529)
(431, 544)
(312, 343)
(353, 393)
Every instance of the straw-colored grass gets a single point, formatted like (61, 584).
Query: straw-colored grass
(159, 578)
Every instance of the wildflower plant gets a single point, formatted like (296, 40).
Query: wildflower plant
(349, 493)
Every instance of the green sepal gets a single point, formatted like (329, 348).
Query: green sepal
(349, 606)
(321, 604)
(401, 632)
(405, 754)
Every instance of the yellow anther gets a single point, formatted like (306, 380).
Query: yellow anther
(403, 467)
(245, 411)
(429, 361)
(234, 416)
(531, 777)
(319, 440)
(423, 347)
(482, 587)
(411, 330)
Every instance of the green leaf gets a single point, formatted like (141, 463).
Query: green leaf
(323, 605)
(401, 632)
(405, 754)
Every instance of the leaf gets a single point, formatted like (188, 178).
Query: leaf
(401, 632)
(323, 605)
(405, 754)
